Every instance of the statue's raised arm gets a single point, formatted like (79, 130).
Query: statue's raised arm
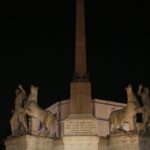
(143, 92)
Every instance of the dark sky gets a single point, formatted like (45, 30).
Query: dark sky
(37, 47)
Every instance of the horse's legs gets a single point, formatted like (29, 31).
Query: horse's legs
(50, 126)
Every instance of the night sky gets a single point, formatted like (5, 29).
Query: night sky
(37, 47)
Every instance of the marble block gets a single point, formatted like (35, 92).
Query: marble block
(80, 142)
(129, 141)
(28, 142)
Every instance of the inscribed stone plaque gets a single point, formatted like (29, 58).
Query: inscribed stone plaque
(80, 127)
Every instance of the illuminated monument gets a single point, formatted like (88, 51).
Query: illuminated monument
(80, 87)
(80, 123)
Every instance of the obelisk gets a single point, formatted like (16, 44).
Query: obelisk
(80, 87)
(80, 128)
(80, 45)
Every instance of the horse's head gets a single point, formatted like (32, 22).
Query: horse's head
(131, 97)
(34, 89)
(146, 90)
(129, 87)
(17, 91)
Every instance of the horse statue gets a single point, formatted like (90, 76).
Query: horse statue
(143, 92)
(32, 109)
(118, 118)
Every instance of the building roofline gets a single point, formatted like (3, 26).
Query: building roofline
(96, 100)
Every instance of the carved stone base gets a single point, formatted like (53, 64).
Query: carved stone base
(80, 132)
(103, 143)
(129, 141)
(28, 142)
(80, 142)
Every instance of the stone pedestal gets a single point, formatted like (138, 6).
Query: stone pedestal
(80, 142)
(81, 102)
(80, 132)
(129, 142)
(103, 143)
(28, 142)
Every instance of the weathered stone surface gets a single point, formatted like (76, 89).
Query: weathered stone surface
(81, 98)
(129, 141)
(103, 143)
(81, 142)
(80, 127)
(28, 142)
(58, 144)
(80, 132)
(80, 47)
(80, 124)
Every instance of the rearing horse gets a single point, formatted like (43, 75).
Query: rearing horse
(127, 114)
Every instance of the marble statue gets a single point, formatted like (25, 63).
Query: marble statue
(18, 120)
(143, 92)
(32, 109)
(33, 96)
(118, 118)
